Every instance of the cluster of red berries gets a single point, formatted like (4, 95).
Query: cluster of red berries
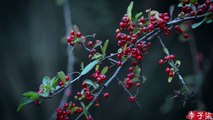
(63, 114)
(98, 76)
(169, 72)
(87, 93)
(128, 81)
(200, 9)
(179, 30)
(166, 58)
(72, 36)
(60, 83)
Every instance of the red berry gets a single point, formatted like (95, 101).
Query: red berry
(84, 85)
(69, 112)
(138, 84)
(142, 20)
(88, 117)
(90, 43)
(79, 94)
(186, 36)
(125, 19)
(168, 70)
(106, 95)
(171, 74)
(172, 57)
(78, 34)
(72, 43)
(69, 39)
(97, 105)
(79, 110)
(161, 61)
(131, 69)
(67, 78)
(134, 63)
(131, 99)
(119, 63)
(66, 105)
(60, 83)
(166, 58)
(72, 32)
(103, 77)
(122, 25)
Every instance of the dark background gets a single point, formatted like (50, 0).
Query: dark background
(31, 47)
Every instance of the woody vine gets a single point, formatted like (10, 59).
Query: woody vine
(134, 37)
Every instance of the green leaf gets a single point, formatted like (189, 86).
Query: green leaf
(31, 95)
(208, 18)
(23, 102)
(119, 50)
(97, 44)
(129, 10)
(82, 65)
(166, 50)
(180, 5)
(45, 80)
(138, 15)
(84, 109)
(195, 25)
(193, 1)
(89, 67)
(61, 75)
(74, 109)
(54, 81)
(104, 70)
(170, 79)
(97, 56)
(135, 30)
(92, 83)
(44, 94)
(97, 67)
(105, 47)
(177, 63)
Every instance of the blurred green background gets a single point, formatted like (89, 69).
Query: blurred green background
(31, 47)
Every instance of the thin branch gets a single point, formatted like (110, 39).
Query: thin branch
(130, 94)
(102, 88)
(179, 76)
